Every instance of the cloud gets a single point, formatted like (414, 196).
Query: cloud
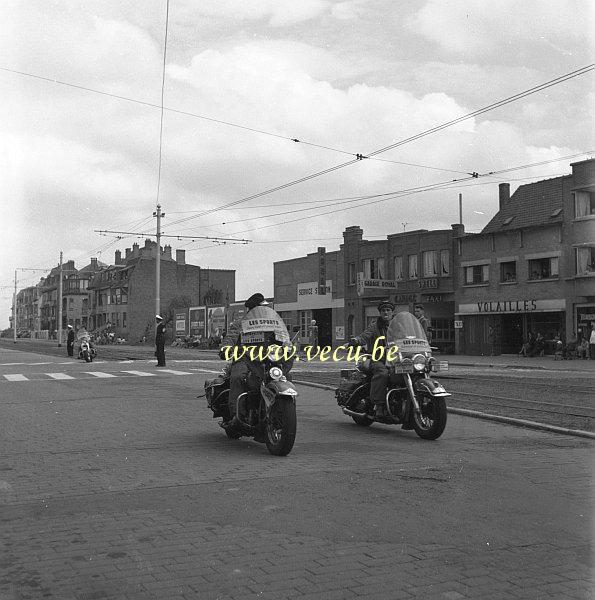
(460, 26)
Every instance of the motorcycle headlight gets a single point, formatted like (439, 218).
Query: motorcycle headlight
(275, 353)
(275, 373)
(419, 362)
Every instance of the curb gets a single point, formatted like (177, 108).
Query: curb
(489, 417)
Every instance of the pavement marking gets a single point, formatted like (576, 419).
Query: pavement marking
(175, 372)
(24, 363)
(99, 374)
(140, 373)
(59, 376)
(16, 377)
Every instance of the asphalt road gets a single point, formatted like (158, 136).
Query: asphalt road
(116, 483)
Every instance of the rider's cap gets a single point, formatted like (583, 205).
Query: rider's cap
(255, 300)
(386, 304)
(159, 317)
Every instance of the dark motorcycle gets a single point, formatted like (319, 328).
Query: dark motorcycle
(414, 399)
(267, 409)
(87, 351)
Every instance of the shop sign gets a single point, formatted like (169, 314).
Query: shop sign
(401, 298)
(359, 284)
(512, 306)
(321, 271)
(430, 298)
(587, 317)
(428, 283)
(180, 320)
(458, 324)
(381, 284)
(312, 288)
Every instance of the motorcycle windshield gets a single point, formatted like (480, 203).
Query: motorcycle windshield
(407, 333)
(261, 321)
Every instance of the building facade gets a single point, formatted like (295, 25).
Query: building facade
(532, 268)
(407, 268)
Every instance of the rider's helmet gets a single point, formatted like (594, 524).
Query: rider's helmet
(254, 301)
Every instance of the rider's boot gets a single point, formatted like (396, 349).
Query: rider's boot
(379, 412)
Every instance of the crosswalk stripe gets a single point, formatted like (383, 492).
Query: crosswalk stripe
(59, 376)
(140, 373)
(174, 372)
(16, 377)
(99, 374)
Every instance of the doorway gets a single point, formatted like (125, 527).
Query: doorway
(324, 321)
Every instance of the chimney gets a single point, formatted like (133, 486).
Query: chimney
(128, 254)
(504, 194)
(118, 258)
(147, 243)
(353, 234)
(135, 250)
(94, 264)
(166, 254)
(181, 257)
(458, 230)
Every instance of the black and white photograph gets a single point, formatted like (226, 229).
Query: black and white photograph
(297, 300)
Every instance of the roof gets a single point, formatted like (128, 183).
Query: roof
(531, 205)
(90, 267)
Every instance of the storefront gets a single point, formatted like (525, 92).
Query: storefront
(499, 327)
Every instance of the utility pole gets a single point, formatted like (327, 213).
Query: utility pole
(60, 304)
(14, 309)
(460, 209)
(159, 215)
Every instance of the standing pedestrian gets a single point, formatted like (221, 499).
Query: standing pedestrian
(419, 312)
(592, 341)
(70, 341)
(160, 340)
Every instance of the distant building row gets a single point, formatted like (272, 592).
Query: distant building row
(121, 297)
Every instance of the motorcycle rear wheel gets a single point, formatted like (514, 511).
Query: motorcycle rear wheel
(281, 428)
(430, 424)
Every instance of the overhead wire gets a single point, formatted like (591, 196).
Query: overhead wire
(494, 105)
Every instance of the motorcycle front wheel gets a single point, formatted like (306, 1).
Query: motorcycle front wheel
(281, 428)
(431, 421)
(87, 356)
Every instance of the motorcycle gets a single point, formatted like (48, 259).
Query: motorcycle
(87, 352)
(413, 399)
(266, 411)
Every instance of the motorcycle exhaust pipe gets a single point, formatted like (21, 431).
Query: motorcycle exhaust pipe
(352, 413)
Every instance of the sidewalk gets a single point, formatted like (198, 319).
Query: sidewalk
(513, 361)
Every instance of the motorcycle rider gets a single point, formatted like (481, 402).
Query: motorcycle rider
(380, 373)
(239, 371)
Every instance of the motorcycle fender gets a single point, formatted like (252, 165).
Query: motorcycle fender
(273, 389)
(429, 387)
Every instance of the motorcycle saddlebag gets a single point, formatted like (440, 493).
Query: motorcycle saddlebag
(351, 379)
(213, 387)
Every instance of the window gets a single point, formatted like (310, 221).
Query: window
(584, 204)
(286, 316)
(444, 263)
(412, 266)
(373, 268)
(508, 271)
(431, 261)
(477, 274)
(585, 261)
(399, 268)
(351, 274)
(305, 316)
(123, 319)
(543, 268)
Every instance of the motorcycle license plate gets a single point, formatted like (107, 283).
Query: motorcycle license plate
(403, 368)
(253, 337)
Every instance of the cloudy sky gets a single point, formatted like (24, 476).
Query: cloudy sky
(344, 77)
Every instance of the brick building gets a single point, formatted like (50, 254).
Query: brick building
(532, 268)
(26, 310)
(122, 296)
(407, 268)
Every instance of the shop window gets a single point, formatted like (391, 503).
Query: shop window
(399, 268)
(584, 204)
(287, 319)
(444, 263)
(443, 331)
(477, 274)
(412, 266)
(350, 273)
(373, 268)
(543, 268)
(431, 260)
(508, 272)
(585, 261)
(305, 316)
